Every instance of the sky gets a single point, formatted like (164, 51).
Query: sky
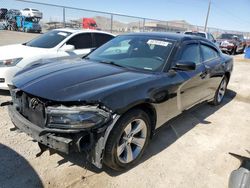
(224, 14)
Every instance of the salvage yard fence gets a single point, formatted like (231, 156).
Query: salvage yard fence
(58, 16)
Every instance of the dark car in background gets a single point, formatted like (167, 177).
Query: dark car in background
(3, 12)
(12, 13)
(109, 104)
(231, 43)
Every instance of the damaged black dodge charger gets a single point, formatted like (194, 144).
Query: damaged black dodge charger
(109, 104)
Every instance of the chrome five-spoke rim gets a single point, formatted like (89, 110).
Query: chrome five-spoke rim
(132, 141)
(222, 90)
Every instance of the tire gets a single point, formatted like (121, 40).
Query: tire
(220, 92)
(124, 146)
(243, 49)
(234, 51)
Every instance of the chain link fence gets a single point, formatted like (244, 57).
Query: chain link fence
(56, 16)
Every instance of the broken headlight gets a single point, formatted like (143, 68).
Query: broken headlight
(76, 117)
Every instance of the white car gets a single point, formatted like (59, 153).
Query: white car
(203, 34)
(30, 12)
(56, 44)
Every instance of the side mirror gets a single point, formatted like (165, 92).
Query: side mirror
(68, 48)
(184, 66)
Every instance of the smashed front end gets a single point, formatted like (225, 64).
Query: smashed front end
(65, 127)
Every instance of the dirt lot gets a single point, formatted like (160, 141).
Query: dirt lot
(190, 151)
(13, 37)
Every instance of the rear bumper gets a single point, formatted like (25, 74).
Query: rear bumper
(50, 140)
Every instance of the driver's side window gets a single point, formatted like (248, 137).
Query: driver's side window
(191, 53)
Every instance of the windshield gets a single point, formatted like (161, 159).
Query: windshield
(226, 36)
(32, 19)
(140, 52)
(49, 39)
(196, 34)
(93, 24)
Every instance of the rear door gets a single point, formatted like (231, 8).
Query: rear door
(192, 90)
(214, 67)
(101, 38)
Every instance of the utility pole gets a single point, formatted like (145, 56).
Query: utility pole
(208, 11)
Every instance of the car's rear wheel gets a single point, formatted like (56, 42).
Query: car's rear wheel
(127, 140)
(220, 92)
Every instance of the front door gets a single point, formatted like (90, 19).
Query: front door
(192, 90)
(83, 44)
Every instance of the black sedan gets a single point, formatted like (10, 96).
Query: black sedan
(109, 104)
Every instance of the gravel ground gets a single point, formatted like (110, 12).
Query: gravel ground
(14, 37)
(189, 151)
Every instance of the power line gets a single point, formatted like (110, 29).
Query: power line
(230, 14)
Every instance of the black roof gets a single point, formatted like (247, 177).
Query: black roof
(173, 36)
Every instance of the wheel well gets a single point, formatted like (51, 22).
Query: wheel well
(150, 110)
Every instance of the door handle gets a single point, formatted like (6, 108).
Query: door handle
(203, 74)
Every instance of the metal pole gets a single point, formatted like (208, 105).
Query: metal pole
(64, 22)
(111, 26)
(208, 11)
(167, 29)
(143, 24)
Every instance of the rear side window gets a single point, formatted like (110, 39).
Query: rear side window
(208, 53)
(81, 41)
(191, 53)
(100, 39)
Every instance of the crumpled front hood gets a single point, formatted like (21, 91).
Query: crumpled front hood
(19, 51)
(78, 81)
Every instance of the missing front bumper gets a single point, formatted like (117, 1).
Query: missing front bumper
(77, 141)
(50, 140)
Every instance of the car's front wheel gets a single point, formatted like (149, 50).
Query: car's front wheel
(127, 140)
(220, 92)
(234, 51)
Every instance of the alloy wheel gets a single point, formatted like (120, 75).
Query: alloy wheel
(222, 90)
(132, 141)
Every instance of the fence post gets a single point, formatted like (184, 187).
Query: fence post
(167, 28)
(143, 26)
(64, 22)
(111, 26)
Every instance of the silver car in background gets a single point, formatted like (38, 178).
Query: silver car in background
(30, 12)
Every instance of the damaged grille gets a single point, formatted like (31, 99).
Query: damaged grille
(32, 108)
